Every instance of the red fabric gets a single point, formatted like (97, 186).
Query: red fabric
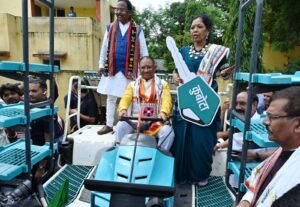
(113, 33)
(128, 47)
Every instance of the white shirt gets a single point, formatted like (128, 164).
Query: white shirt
(237, 139)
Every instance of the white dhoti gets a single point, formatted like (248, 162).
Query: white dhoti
(113, 87)
(165, 135)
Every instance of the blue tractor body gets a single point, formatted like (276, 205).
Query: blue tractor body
(150, 166)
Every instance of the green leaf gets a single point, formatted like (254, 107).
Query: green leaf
(61, 197)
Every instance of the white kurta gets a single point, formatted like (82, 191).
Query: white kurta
(286, 178)
(116, 85)
(113, 85)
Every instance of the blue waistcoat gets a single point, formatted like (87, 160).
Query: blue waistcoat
(120, 53)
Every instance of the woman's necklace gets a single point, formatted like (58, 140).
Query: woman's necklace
(197, 53)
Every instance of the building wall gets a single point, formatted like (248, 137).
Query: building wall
(79, 37)
(10, 38)
(14, 7)
(273, 60)
(44, 10)
(104, 18)
(83, 12)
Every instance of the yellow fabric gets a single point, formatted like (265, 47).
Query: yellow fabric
(126, 98)
(166, 99)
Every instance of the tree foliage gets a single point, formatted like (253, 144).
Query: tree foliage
(175, 21)
(230, 37)
(281, 27)
(159, 24)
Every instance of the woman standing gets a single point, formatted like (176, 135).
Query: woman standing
(193, 145)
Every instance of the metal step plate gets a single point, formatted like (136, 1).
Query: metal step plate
(215, 194)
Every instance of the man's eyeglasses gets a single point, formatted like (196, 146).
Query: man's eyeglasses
(272, 117)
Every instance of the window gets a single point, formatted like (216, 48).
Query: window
(38, 11)
(60, 12)
(56, 62)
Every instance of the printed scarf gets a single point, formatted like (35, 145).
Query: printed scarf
(211, 60)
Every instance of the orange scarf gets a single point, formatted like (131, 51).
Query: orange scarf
(152, 98)
(156, 126)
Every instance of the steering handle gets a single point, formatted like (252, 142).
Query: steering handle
(125, 118)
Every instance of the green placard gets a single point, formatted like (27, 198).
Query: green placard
(198, 102)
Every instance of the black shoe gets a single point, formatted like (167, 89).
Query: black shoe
(104, 130)
(155, 202)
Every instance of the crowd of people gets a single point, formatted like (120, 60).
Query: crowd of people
(12, 93)
(128, 72)
(193, 145)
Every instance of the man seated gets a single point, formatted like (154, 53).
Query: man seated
(267, 97)
(263, 102)
(254, 152)
(88, 107)
(152, 95)
(40, 132)
(11, 94)
(279, 174)
(40, 128)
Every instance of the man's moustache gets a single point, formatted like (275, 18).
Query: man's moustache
(12, 100)
(240, 112)
(269, 130)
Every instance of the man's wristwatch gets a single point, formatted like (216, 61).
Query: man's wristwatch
(257, 157)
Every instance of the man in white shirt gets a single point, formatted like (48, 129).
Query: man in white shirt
(123, 44)
(237, 141)
(241, 106)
